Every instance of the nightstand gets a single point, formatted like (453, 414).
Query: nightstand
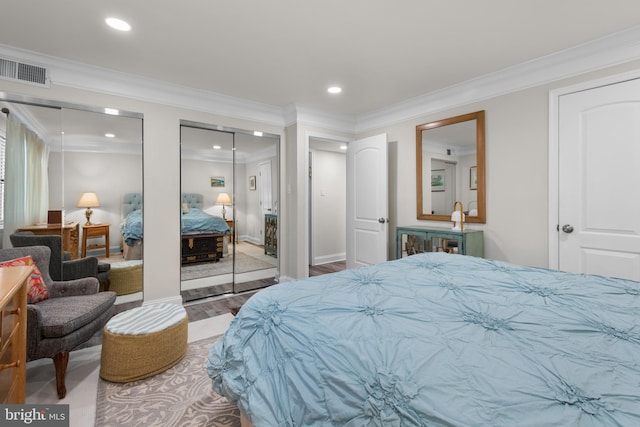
(94, 231)
(233, 231)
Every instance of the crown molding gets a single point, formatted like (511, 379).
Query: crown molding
(77, 75)
(604, 52)
(607, 51)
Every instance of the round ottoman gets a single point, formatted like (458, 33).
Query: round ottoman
(142, 342)
(126, 277)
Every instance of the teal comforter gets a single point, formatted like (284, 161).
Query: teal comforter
(436, 340)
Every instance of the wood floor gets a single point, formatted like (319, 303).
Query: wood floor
(215, 306)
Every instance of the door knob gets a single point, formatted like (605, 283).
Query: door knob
(567, 228)
(382, 220)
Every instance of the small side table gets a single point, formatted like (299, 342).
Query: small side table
(94, 231)
(233, 231)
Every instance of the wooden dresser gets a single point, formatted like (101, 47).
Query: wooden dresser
(70, 233)
(13, 342)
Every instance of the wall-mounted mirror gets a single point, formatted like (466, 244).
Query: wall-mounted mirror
(450, 167)
(81, 160)
(229, 210)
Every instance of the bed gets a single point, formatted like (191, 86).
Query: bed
(435, 339)
(194, 222)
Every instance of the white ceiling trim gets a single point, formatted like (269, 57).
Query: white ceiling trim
(611, 50)
(608, 51)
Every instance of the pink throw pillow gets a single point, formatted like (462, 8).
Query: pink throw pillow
(36, 289)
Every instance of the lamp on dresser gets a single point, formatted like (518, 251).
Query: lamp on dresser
(88, 200)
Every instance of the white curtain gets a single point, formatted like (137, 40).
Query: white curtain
(26, 179)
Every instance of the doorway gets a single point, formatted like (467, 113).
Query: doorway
(327, 205)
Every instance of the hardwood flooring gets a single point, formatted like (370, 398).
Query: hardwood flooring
(230, 303)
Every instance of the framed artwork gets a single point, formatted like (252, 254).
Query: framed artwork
(252, 182)
(217, 181)
(437, 180)
(473, 178)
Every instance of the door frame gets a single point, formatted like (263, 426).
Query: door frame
(307, 191)
(554, 159)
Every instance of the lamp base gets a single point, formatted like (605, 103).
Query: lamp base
(224, 212)
(87, 214)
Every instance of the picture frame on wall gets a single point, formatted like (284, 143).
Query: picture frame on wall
(217, 181)
(252, 183)
(473, 178)
(437, 180)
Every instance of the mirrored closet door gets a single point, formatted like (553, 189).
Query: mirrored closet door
(79, 164)
(228, 204)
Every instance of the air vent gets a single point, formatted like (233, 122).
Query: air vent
(22, 72)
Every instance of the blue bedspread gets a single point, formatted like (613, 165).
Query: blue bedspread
(436, 340)
(195, 221)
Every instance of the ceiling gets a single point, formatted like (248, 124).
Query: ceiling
(381, 52)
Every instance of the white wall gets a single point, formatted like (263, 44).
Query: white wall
(328, 211)
(516, 160)
(109, 175)
(516, 169)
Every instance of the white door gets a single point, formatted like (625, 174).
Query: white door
(367, 206)
(599, 181)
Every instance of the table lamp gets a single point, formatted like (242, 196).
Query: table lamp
(457, 216)
(223, 199)
(88, 200)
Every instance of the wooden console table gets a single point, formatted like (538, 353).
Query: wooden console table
(93, 231)
(70, 233)
(13, 322)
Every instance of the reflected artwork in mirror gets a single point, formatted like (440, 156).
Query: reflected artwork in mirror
(81, 151)
(450, 168)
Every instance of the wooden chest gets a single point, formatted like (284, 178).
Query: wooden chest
(205, 247)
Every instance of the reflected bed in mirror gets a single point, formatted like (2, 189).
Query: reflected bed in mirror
(450, 167)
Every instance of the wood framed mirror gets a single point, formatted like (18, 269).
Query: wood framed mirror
(450, 167)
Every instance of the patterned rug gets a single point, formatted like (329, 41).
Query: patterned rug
(244, 263)
(180, 396)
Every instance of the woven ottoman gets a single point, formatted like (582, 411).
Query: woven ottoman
(143, 342)
(126, 277)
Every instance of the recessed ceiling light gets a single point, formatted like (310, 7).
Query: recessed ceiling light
(343, 147)
(216, 147)
(118, 24)
(334, 89)
(110, 135)
(257, 133)
(112, 111)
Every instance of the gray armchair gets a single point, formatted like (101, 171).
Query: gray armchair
(74, 312)
(61, 266)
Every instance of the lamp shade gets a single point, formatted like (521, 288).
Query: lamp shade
(88, 200)
(223, 199)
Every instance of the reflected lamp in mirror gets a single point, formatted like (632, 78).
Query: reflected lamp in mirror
(457, 217)
(223, 199)
(88, 200)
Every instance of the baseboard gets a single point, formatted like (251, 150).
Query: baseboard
(171, 300)
(326, 259)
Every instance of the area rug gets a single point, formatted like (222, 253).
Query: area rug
(244, 263)
(180, 396)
